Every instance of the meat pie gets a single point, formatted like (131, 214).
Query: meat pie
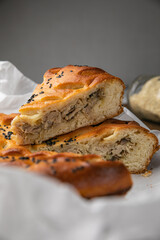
(69, 98)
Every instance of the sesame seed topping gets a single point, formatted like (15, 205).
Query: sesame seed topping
(2, 129)
(32, 98)
(77, 169)
(49, 142)
(8, 135)
(54, 160)
(37, 161)
(23, 158)
(67, 159)
(53, 170)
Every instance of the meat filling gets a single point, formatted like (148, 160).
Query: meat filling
(68, 113)
(120, 149)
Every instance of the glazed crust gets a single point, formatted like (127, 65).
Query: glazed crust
(90, 179)
(62, 83)
(90, 176)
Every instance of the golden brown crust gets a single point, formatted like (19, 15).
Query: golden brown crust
(61, 83)
(94, 179)
(99, 129)
(6, 119)
(88, 174)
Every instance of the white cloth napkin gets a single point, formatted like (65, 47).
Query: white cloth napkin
(33, 207)
(15, 88)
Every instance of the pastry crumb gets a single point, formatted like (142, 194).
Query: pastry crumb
(147, 173)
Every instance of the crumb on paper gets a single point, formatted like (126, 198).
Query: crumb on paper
(147, 173)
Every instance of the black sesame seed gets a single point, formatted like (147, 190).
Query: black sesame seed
(41, 92)
(23, 158)
(33, 159)
(70, 140)
(71, 71)
(31, 98)
(59, 76)
(41, 88)
(8, 135)
(49, 142)
(53, 170)
(50, 85)
(37, 161)
(67, 159)
(2, 129)
(54, 160)
(80, 65)
(61, 145)
(6, 157)
(77, 169)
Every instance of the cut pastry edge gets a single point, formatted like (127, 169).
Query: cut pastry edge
(134, 146)
(79, 112)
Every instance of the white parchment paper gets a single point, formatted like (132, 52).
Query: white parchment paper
(34, 207)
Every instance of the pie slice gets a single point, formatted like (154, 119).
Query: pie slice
(112, 140)
(69, 98)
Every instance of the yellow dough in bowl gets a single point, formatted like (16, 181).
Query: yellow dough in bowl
(147, 102)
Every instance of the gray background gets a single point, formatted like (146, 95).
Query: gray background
(120, 36)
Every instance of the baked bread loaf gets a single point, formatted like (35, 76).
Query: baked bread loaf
(69, 98)
(90, 175)
(113, 140)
